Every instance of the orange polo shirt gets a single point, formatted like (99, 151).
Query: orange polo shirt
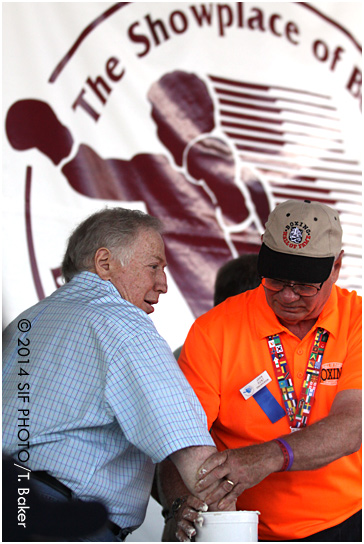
(225, 350)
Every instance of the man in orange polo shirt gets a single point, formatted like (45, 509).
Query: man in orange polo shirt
(281, 358)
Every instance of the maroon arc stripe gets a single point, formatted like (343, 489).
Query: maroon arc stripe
(29, 234)
(329, 20)
(82, 37)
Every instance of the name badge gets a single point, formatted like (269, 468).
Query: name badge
(255, 385)
(258, 390)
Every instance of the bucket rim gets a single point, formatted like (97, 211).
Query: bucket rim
(230, 512)
(238, 516)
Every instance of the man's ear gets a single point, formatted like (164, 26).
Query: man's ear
(337, 266)
(102, 263)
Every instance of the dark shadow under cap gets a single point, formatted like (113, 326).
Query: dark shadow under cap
(283, 266)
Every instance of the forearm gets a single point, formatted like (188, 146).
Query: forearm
(172, 476)
(187, 462)
(169, 484)
(325, 441)
(170, 487)
(178, 525)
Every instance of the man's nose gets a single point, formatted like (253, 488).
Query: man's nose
(161, 283)
(288, 294)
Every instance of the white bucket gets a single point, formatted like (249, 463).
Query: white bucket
(240, 526)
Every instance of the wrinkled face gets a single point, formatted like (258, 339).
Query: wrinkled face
(292, 309)
(143, 278)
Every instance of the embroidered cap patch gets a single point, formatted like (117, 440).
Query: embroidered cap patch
(296, 235)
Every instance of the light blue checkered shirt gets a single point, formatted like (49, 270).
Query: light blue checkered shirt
(107, 398)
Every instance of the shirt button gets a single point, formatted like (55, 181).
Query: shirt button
(300, 351)
(300, 375)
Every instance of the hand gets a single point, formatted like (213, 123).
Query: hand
(241, 469)
(181, 527)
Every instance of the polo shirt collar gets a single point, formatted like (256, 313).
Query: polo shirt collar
(267, 323)
(329, 317)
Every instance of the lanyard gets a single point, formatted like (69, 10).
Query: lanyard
(298, 411)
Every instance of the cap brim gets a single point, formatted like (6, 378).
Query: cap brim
(284, 266)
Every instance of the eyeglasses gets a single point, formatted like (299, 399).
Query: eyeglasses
(301, 289)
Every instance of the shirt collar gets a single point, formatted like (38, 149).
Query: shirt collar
(329, 317)
(91, 280)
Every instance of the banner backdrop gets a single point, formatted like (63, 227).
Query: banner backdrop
(204, 114)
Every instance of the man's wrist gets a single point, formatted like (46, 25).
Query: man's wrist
(169, 513)
(287, 452)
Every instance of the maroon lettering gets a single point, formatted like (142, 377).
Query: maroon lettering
(100, 88)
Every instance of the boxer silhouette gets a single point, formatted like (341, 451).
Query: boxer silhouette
(196, 198)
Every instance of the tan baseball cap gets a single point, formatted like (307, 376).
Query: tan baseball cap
(300, 243)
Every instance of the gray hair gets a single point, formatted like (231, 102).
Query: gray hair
(113, 228)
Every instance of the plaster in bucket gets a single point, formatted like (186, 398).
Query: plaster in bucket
(240, 526)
